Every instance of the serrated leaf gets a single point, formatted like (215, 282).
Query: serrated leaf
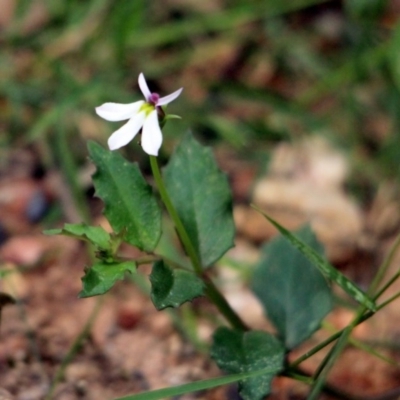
(323, 265)
(202, 198)
(129, 203)
(101, 277)
(171, 288)
(294, 294)
(236, 351)
(94, 234)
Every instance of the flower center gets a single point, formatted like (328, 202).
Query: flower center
(153, 98)
(147, 108)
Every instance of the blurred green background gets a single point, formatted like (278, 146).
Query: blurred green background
(254, 72)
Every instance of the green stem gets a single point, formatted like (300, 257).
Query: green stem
(211, 291)
(389, 283)
(219, 300)
(187, 244)
(70, 173)
(336, 335)
(343, 336)
(385, 265)
(328, 362)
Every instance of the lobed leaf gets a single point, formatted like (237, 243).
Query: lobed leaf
(201, 195)
(129, 203)
(294, 294)
(171, 288)
(101, 277)
(237, 351)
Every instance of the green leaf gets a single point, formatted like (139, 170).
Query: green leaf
(171, 288)
(294, 294)
(101, 277)
(130, 205)
(394, 56)
(327, 270)
(202, 198)
(366, 10)
(236, 351)
(196, 386)
(94, 234)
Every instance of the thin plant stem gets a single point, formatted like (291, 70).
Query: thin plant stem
(388, 301)
(385, 265)
(219, 300)
(69, 171)
(337, 334)
(329, 361)
(334, 353)
(74, 349)
(389, 283)
(343, 74)
(187, 244)
(344, 334)
(362, 346)
(213, 294)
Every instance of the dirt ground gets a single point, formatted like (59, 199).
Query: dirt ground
(118, 344)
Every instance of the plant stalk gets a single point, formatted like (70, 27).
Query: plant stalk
(211, 291)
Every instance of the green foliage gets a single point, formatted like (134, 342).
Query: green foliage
(323, 265)
(80, 54)
(130, 205)
(96, 235)
(294, 294)
(394, 57)
(171, 288)
(236, 351)
(202, 198)
(366, 10)
(101, 277)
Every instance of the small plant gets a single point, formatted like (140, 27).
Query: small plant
(292, 279)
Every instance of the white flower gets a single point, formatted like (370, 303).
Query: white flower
(141, 115)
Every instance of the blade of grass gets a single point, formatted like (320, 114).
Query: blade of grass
(195, 386)
(344, 337)
(326, 269)
(362, 346)
(70, 172)
(216, 21)
(344, 74)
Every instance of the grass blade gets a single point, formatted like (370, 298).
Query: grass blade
(196, 386)
(328, 270)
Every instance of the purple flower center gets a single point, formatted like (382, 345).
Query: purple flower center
(153, 98)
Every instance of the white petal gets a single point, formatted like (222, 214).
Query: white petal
(151, 134)
(127, 132)
(167, 99)
(143, 86)
(118, 112)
